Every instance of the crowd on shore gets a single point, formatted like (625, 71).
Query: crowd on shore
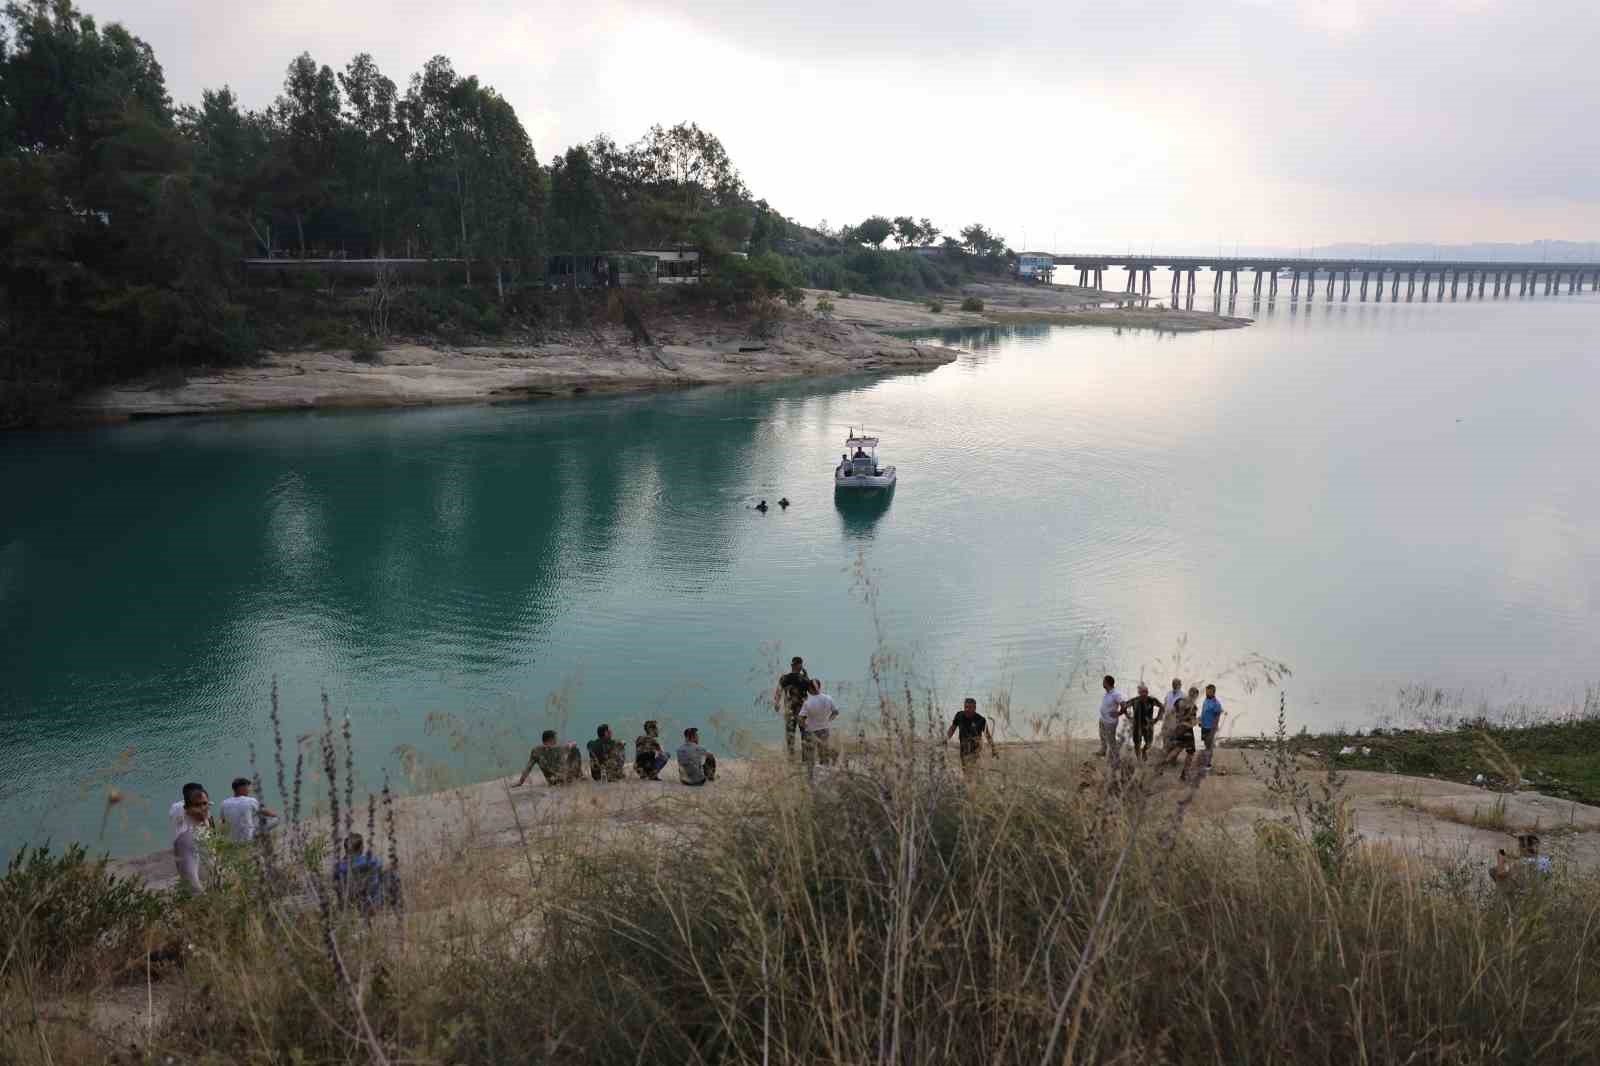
(808, 715)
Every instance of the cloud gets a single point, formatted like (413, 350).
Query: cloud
(1154, 120)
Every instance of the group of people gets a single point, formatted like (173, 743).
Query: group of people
(562, 764)
(1177, 715)
(358, 875)
(808, 714)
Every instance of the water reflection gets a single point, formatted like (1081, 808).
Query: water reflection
(860, 511)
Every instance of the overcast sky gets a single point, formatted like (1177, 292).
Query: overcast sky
(1141, 123)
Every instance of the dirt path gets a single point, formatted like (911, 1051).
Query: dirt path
(1013, 302)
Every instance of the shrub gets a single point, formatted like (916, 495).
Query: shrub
(824, 305)
(367, 349)
(972, 303)
(795, 297)
(936, 306)
(71, 914)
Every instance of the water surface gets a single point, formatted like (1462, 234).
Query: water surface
(1377, 495)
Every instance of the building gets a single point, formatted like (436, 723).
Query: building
(675, 266)
(1036, 266)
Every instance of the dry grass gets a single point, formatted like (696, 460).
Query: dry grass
(891, 913)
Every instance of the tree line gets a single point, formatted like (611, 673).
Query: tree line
(125, 215)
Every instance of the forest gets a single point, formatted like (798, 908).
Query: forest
(126, 215)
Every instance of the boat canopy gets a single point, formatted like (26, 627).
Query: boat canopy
(855, 440)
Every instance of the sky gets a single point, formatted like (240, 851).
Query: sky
(1142, 124)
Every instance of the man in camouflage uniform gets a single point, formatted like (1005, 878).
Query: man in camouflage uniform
(648, 758)
(605, 756)
(789, 697)
(560, 764)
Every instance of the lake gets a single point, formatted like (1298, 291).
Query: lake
(1400, 502)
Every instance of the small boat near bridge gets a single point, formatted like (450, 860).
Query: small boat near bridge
(858, 468)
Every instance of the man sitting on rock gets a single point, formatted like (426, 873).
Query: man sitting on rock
(696, 765)
(560, 764)
(605, 756)
(648, 757)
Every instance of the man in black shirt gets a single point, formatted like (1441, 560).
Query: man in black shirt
(787, 698)
(973, 728)
(1146, 709)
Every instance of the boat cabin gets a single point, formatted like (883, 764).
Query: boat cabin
(860, 456)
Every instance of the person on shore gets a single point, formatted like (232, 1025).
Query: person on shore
(1529, 862)
(606, 755)
(560, 764)
(1182, 738)
(816, 718)
(358, 878)
(190, 851)
(244, 815)
(1210, 717)
(648, 755)
(972, 728)
(175, 813)
(1145, 710)
(696, 765)
(1112, 706)
(787, 699)
(1165, 718)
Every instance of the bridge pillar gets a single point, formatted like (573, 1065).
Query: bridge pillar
(1364, 275)
(1481, 280)
(1572, 281)
(1332, 277)
(1147, 273)
(1233, 285)
(1411, 286)
(1216, 293)
(1272, 286)
(1176, 278)
(1294, 286)
(1394, 288)
(1344, 290)
(1377, 293)
(1455, 282)
(1255, 292)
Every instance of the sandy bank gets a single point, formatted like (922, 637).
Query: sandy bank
(598, 360)
(1007, 302)
(1418, 816)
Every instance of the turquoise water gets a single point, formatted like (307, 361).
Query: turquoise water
(1378, 496)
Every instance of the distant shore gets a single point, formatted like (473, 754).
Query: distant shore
(852, 339)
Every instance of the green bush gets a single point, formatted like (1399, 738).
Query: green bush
(367, 349)
(972, 303)
(70, 914)
(824, 305)
(936, 306)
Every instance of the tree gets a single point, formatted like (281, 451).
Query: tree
(907, 232)
(306, 122)
(579, 221)
(875, 230)
(232, 153)
(928, 233)
(373, 147)
(980, 242)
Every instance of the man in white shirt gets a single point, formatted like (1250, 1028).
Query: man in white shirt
(1166, 717)
(175, 815)
(816, 716)
(242, 813)
(1111, 708)
(189, 853)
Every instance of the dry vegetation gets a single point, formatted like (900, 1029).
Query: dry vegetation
(891, 913)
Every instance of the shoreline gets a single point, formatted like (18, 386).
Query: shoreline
(1427, 817)
(856, 338)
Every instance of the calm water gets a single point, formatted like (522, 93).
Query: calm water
(1378, 496)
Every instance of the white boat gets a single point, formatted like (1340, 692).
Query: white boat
(858, 468)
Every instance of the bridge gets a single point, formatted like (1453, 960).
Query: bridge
(1480, 278)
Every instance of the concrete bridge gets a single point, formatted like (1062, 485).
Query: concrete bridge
(1467, 279)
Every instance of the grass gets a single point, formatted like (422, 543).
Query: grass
(1558, 758)
(892, 913)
